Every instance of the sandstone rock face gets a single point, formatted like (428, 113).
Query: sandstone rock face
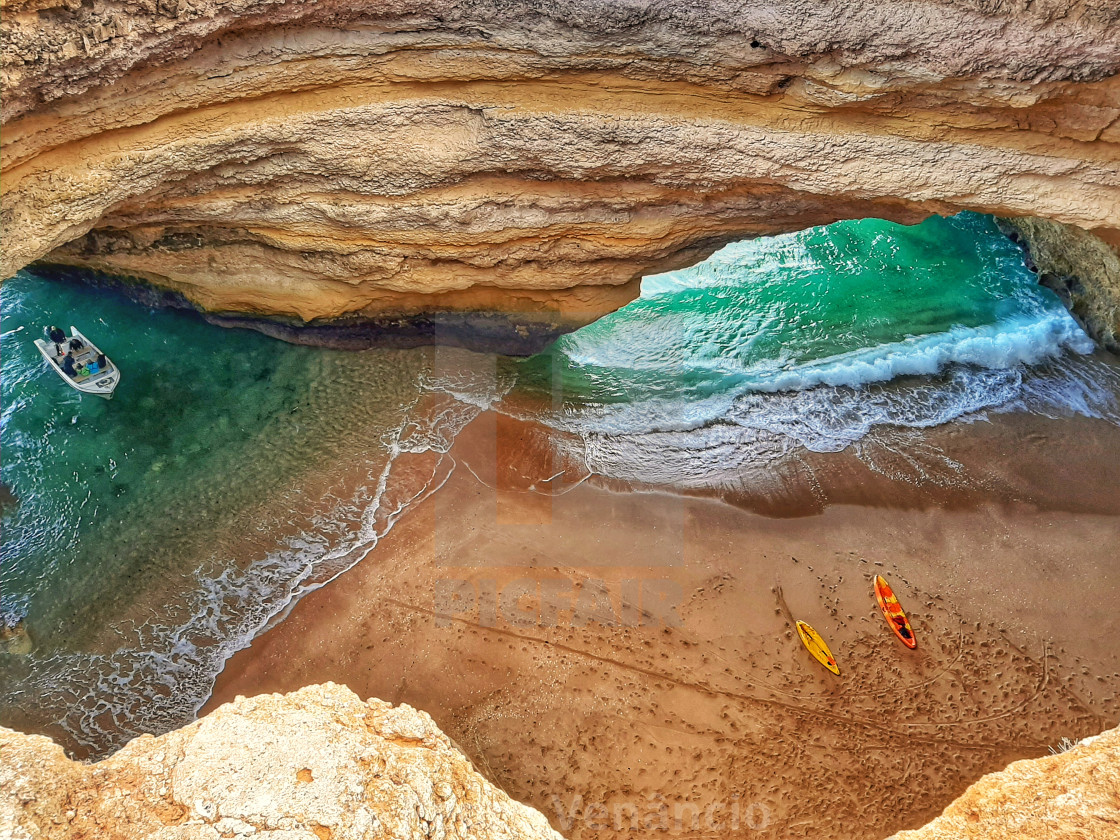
(312, 765)
(319, 160)
(1073, 796)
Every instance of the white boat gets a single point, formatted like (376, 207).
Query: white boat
(100, 384)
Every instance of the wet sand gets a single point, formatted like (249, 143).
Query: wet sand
(626, 662)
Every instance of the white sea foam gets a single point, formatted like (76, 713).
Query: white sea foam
(1004, 344)
(165, 672)
(753, 436)
(810, 397)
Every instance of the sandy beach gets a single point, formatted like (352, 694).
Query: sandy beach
(626, 662)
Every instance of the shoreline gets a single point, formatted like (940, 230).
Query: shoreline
(539, 631)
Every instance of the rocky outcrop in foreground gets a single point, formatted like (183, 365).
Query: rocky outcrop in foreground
(337, 161)
(316, 764)
(319, 764)
(1074, 795)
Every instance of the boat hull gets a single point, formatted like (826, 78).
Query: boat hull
(102, 384)
(817, 646)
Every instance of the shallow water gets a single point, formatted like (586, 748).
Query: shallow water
(152, 536)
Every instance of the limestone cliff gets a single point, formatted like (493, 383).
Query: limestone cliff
(317, 160)
(1074, 795)
(312, 765)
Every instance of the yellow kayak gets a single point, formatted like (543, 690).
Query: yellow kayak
(813, 641)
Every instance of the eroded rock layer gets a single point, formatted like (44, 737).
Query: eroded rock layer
(322, 160)
(317, 763)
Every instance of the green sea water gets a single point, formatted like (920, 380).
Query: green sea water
(150, 535)
(843, 305)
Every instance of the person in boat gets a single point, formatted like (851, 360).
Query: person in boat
(102, 362)
(68, 366)
(58, 337)
(76, 344)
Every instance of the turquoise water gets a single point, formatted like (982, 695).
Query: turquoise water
(843, 305)
(153, 534)
(147, 538)
(721, 373)
(86, 472)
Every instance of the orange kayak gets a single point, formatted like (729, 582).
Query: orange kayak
(893, 613)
